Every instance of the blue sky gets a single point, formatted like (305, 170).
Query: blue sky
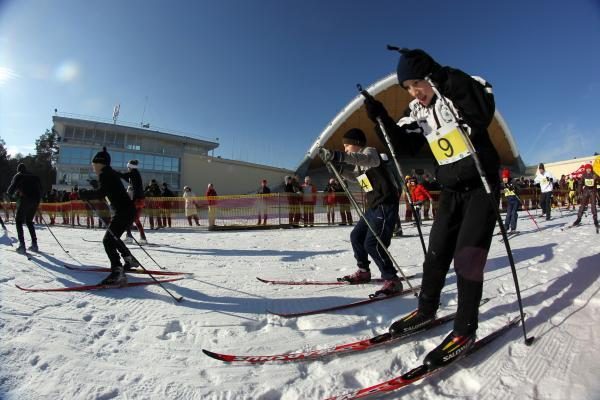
(266, 76)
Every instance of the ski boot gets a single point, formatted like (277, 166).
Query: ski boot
(576, 223)
(360, 276)
(410, 322)
(390, 287)
(130, 263)
(116, 278)
(21, 249)
(143, 242)
(128, 240)
(451, 348)
(33, 247)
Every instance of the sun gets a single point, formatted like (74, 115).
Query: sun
(6, 74)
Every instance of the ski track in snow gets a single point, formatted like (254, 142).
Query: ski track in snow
(138, 344)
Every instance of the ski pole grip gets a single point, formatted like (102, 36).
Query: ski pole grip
(362, 91)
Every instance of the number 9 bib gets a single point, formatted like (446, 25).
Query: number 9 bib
(448, 145)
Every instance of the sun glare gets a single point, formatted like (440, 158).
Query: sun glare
(6, 74)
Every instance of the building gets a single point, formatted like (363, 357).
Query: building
(565, 167)
(167, 157)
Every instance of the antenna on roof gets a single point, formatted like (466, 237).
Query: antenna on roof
(144, 113)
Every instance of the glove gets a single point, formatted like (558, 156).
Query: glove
(375, 109)
(550, 180)
(93, 183)
(331, 155)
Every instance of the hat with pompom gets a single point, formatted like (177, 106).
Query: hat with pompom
(102, 157)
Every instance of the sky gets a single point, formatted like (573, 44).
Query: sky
(267, 76)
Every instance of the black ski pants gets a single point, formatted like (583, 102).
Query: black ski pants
(25, 212)
(462, 230)
(588, 196)
(112, 244)
(546, 203)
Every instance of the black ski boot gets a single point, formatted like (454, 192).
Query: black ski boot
(21, 249)
(449, 350)
(33, 247)
(116, 278)
(410, 322)
(576, 223)
(130, 263)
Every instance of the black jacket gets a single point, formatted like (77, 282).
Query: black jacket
(472, 100)
(28, 186)
(111, 187)
(135, 179)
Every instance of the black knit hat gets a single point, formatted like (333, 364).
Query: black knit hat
(541, 166)
(21, 167)
(133, 164)
(415, 64)
(102, 157)
(355, 136)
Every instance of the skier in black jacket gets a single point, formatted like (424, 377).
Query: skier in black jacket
(135, 180)
(29, 188)
(110, 186)
(463, 227)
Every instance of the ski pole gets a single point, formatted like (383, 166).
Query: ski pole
(2, 223)
(472, 151)
(118, 240)
(362, 215)
(528, 213)
(55, 238)
(368, 96)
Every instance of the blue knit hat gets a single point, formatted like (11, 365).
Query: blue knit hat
(415, 64)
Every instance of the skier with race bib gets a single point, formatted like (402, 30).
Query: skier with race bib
(463, 227)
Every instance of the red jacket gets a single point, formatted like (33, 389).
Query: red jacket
(419, 193)
(211, 193)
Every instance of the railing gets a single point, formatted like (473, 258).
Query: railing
(242, 211)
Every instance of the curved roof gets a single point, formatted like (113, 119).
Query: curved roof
(388, 91)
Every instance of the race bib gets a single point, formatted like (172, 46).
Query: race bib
(508, 192)
(448, 145)
(364, 183)
(589, 182)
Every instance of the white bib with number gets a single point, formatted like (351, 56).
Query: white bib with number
(589, 182)
(448, 145)
(364, 183)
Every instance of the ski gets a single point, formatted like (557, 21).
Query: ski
(324, 283)
(344, 306)
(80, 288)
(127, 271)
(100, 241)
(351, 347)
(422, 371)
(510, 235)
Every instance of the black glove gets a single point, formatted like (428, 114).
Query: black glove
(375, 109)
(550, 180)
(331, 155)
(93, 183)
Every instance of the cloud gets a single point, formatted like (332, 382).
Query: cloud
(563, 143)
(13, 150)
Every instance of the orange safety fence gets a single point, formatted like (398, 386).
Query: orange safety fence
(280, 209)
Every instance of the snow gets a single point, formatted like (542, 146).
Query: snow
(138, 343)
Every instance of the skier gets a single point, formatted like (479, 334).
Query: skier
(545, 179)
(464, 223)
(29, 188)
(511, 194)
(110, 186)
(381, 209)
(419, 195)
(587, 194)
(134, 178)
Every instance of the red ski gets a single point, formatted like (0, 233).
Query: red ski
(422, 371)
(344, 306)
(81, 288)
(130, 271)
(324, 283)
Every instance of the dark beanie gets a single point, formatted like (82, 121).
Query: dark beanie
(415, 64)
(355, 136)
(541, 166)
(102, 157)
(133, 164)
(21, 167)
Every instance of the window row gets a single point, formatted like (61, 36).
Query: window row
(81, 177)
(119, 159)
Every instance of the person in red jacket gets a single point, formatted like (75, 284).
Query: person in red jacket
(210, 194)
(418, 194)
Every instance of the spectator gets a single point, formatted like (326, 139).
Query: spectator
(154, 204)
(288, 188)
(309, 201)
(511, 194)
(344, 203)
(210, 194)
(330, 200)
(545, 179)
(191, 212)
(166, 205)
(262, 191)
(73, 197)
